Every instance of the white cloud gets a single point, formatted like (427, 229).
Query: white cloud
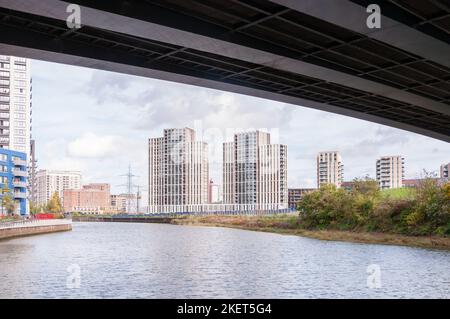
(91, 145)
(100, 122)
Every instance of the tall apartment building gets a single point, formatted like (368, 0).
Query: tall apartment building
(444, 171)
(255, 171)
(16, 109)
(15, 104)
(13, 176)
(228, 174)
(390, 171)
(50, 181)
(92, 198)
(178, 170)
(330, 169)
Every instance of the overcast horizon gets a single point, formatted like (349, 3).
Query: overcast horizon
(99, 122)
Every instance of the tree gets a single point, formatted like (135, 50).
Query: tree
(34, 208)
(54, 204)
(8, 202)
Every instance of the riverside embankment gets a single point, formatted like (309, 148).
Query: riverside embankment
(123, 219)
(33, 227)
(283, 224)
(289, 225)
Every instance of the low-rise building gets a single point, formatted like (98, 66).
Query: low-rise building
(92, 198)
(13, 175)
(213, 193)
(411, 183)
(348, 185)
(119, 202)
(296, 194)
(416, 182)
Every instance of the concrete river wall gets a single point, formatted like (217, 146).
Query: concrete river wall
(158, 220)
(33, 227)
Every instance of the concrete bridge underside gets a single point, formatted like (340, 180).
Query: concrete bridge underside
(314, 53)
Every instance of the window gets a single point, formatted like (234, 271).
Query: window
(19, 107)
(3, 157)
(19, 132)
(20, 83)
(20, 67)
(20, 116)
(3, 168)
(21, 75)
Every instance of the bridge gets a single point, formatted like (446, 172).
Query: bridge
(315, 53)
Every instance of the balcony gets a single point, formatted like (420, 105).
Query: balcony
(19, 184)
(18, 172)
(19, 162)
(20, 194)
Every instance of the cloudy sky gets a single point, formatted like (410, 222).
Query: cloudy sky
(98, 122)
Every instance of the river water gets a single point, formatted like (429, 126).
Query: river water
(124, 260)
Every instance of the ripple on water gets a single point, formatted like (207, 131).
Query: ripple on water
(122, 260)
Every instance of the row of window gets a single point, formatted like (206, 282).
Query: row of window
(17, 66)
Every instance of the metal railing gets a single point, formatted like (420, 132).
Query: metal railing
(34, 223)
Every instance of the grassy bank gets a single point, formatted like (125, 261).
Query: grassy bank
(413, 217)
(423, 211)
(291, 225)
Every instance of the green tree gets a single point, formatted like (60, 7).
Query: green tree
(54, 204)
(8, 202)
(34, 208)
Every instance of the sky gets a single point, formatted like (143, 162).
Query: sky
(99, 122)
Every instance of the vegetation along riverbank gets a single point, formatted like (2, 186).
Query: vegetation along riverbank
(411, 217)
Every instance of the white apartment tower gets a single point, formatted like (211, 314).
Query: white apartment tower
(255, 172)
(50, 181)
(178, 170)
(228, 173)
(15, 104)
(330, 169)
(273, 176)
(390, 171)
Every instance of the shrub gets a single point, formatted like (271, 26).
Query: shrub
(424, 211)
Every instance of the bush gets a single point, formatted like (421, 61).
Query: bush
(423, 211)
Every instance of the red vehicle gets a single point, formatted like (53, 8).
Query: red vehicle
(44, 216)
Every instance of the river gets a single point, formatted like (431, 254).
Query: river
(124, 260)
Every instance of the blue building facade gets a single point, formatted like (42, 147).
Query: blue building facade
(14, 173)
